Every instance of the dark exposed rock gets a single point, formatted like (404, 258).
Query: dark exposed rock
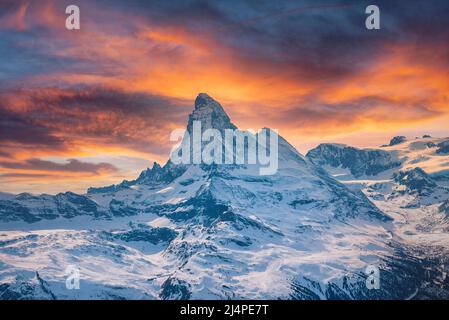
(144, 233)
(175, 289)
(397, 140)
(444, 207)
(31, 208)
(416, 181)
(443, 147)
(24, 288)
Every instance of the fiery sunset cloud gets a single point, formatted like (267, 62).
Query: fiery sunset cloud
(98, 104)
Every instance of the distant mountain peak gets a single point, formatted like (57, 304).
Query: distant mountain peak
(397, 140)
(359, 161)
(156, 166)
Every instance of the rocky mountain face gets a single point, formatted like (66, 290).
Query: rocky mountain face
(415, 181)
(397, 140)
(213, 231)
(359, 162)
(210, 113)
(443, 147)
(414, 193)
(31, 208)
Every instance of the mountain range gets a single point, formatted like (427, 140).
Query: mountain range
(197, 231)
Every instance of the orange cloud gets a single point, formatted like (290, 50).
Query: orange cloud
(398, 76)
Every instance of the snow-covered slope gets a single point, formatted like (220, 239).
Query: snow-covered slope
(208, 231)
(427, 153)
(359, 162)
(415, 193)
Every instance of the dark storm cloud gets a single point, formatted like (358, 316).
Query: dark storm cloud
(8, 176)
(330, 43)
(19, 128)
(321, 40)
(72, 165)
(55, 118)
(311, 112)
(4, 154)
(326, 39)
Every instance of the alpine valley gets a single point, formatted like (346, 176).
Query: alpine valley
(309, 231)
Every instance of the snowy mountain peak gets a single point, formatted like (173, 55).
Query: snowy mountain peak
(156, 166)
(210, 113)
(397, 140)
(360, 162)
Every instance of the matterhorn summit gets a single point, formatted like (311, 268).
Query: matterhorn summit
(210, 113)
